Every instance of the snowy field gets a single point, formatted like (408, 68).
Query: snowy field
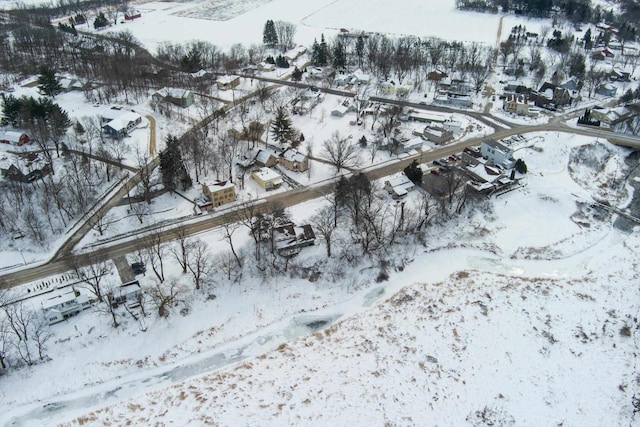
(490, 320)
(218, 21)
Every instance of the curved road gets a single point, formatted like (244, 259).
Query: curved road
(134, 242)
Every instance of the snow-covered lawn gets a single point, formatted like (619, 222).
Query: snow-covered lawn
(519, 311)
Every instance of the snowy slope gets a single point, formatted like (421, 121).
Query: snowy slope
(522, 312)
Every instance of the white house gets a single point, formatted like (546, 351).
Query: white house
(295, 53)
(497, 154)
(345, 107)
(127, 293)
(398, 185)
(65, 304)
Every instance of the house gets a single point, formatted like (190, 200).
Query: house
(515, 89)
(14, 137)
(611, 116)
(295, 53)
(266, 66)
(452, 125)
(220, 192)
(398, 185)
(68, 84)
(436, 75)
(267, 178)
(293, 160)
(65, 304)
(387, 88)
(343, 108)
(426, 117)
(497, 154)
(571, 85)
(607, 89)
(453, 101)
(227, 82)
(361, 77)
(288, 239)
(26, 167)
(437, 134)
(130, 15)
(266, 158)
(179, 97)
(601, 53)
(123, 122)
(127, 293)
(317, 73)
(619, 75)
(551, 95)
(306, 101)
(399, 144)
(519, 104)
(459, 88)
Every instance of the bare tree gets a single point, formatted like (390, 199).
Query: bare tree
(6, 342)
(145, 174)
(41, 335)
(154, 251)
(246, 214)
(181, 249)
(229, 229)
(200, 263)
(286, 32)
(165, 296)
(324, 225)
(98, 267)
(140, 210)
(19, 320)
(341, 152)
(102, 223)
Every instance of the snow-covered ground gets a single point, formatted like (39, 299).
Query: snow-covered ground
(217, 21)
(520, 311)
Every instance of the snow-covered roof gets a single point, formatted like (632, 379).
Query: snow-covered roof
(11, 136)
(266, 174)
(295, 52)
(224, 80)
(293, 155)
(174, 92)
(64, 297)
(219, 186)
(264, 155)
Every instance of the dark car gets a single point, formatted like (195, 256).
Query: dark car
(138, 268)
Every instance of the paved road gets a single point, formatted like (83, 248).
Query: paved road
(64, 256)
(134, 242)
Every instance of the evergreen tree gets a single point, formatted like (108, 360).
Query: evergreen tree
(281, 126)
(413, 172)
(323, 52)
(172, 166)
(360, 50)
(315, 53)
(48, 84)
(521, 166)
(269, 34)
(296, 75)
(281, 62)
(339, 56)
(100, 21)
(588, 43)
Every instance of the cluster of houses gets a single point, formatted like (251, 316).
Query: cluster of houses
(68, 302)
(261, 163)
(451, 91)
(26, 167)
(491, 168)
